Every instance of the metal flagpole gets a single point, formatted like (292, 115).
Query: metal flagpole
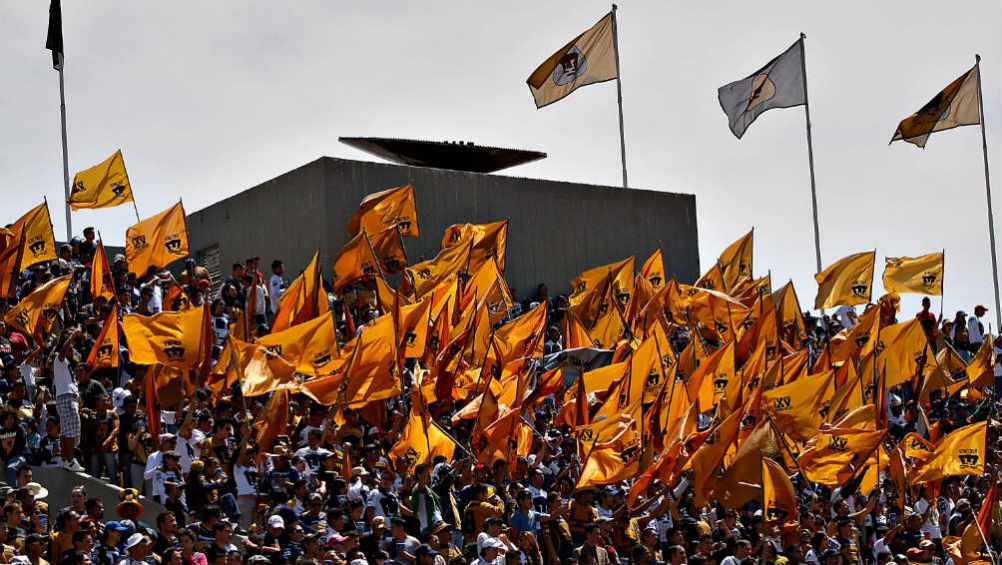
(66, 162)
(988, 190)
(810, 155)
(619, 94)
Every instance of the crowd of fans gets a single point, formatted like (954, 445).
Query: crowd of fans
(328, 493)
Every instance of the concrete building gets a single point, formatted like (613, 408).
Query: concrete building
(557, 229)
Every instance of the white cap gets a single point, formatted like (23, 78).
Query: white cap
(134, 540)
(276, 521)
(493, 542)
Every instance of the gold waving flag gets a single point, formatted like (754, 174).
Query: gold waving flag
(586, 59)
(304, 299)
(104, 353)
(954, 106)
(101, 283)
(488, 240)
(173, 339)
(778, 496)
(847, 281)
(962, 452)
(613, 461)
(29, 241)
(653, 270)
(798, 408)
(392, 208)
(104, 185)
(356, 260)
(588, 299)
(736, 262)
(157, 241)
(36, 313)
(307, 346)
(419, 442)
(921, 275)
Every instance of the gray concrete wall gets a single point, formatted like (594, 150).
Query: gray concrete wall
(60, 482)
(557, 228)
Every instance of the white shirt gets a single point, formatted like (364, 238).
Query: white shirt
(275, 284)
(153, 462)
(931, 525)
(244, 476)
(63, 377)
(190, 449)
(974, 331)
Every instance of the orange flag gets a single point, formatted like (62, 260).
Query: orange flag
(173, 339)
(653, 270)
(392, 208)
(104, 353)
(307, 346)
(29, 241)
(303, 300)
(273, 421)
(613, 461)
(962, 452)
(36, 313)
(483, 240)
(357, 260)
(419, 442)
(101, 283)
(736, 263)
(157, 241)
(778, 496)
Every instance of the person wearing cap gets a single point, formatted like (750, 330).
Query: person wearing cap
(107, 550)
(35, 547)
(492, 552)
(167, 442)
(137, 549)
(425, 555)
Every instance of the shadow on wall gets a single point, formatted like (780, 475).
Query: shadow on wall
(60, 482)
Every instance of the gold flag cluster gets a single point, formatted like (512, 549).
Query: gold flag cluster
(157, 241)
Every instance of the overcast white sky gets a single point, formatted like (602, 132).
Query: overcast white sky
(209, 98)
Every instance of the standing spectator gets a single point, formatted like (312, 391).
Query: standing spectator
(276, 284)
(975, 329)
(67, 403)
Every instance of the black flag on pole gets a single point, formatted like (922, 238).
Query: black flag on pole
(54, 40)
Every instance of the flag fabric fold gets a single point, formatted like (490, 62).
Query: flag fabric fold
(954, 106)
(779, 84)
(587, 59)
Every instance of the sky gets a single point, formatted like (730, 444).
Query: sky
(207, 99)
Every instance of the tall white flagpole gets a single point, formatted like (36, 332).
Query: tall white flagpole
(66, 162)
(619, 93)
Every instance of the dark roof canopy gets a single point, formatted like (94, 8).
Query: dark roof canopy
(451, 155)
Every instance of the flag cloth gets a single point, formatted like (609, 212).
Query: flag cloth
(613, 461)
(798, 407)
(962, 452)
(956, 105)
(591, 287)
(920, 275)
(779, 499)
(981, 371)
(430, 274)
(832, 458)
(272, 421)
(419, 443)
(307, 346)
(304, 299)
(779, 84)
(173, 339)
(262, 370)
(101, 283)
(587, 59)
(979, 529)
(104, 185)
(389, 209)
(736, 262)
(707, 459)
(36, 313)
(487, 240)
(104, 353)
(653, 270)
(412, 328)
(356, 260)
(848, 281)
(30, 242)
(54, 38)
(157, 241)
(902, 351)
